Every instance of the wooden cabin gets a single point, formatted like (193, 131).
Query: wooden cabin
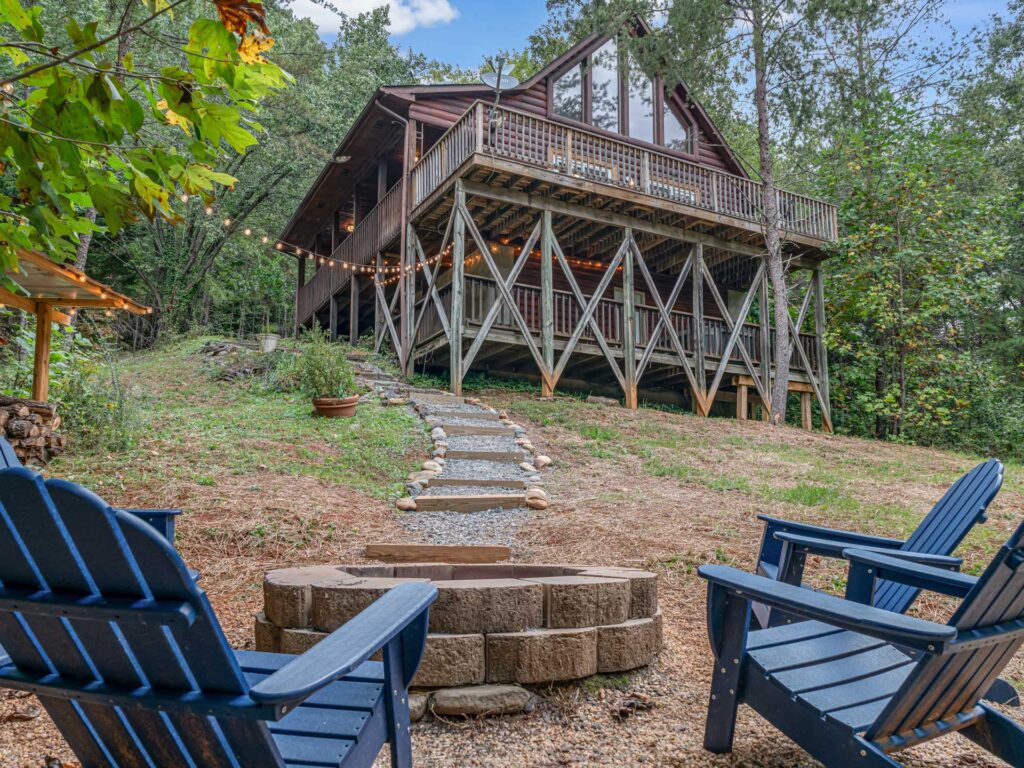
(591, 230)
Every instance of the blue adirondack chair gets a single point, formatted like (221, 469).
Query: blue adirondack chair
(161, 519)
(786, 544)
(104, 624)
(854, 683)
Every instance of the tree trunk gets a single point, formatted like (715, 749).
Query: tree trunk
(772, 223)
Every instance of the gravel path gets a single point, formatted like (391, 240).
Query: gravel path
(482, 470)
(495, 526)
(482, 443)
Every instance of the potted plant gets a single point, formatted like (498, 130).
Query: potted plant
(267, 339)
(326, 376)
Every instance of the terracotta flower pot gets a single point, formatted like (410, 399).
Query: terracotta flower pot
(333, 407)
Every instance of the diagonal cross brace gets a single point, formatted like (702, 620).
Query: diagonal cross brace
(428, 275)
(588, 319)
(495, 308)
(386, 311)
(506, 294)
(588, 312)
(665, 321)
(735, 328)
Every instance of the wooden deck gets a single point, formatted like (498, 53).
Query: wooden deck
(718, 207)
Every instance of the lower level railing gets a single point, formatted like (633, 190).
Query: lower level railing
(481, 294)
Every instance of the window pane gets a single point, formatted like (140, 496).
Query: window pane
(568, 94)
(605, 94)
(677, 135)
(641, 104)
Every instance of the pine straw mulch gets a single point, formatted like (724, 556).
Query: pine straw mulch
(604, 511)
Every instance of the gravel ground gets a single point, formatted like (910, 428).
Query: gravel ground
(469, 422)
(482, 443)
(482, 470)
(494, 526)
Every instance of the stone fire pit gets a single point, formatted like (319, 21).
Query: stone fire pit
(499, 623)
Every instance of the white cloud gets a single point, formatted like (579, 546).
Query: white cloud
(406, 15)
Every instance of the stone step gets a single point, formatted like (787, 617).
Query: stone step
(481, 415)
(515, 456)
(469, 502)
(478, 429)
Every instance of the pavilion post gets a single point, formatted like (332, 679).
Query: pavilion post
(333, 322)
(697, 298)
(41, 366)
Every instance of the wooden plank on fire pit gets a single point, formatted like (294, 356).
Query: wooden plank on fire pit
(436, 553)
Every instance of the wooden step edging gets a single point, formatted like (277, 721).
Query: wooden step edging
(473, 429)
(473, 415)
(472, 482)
(469, 502)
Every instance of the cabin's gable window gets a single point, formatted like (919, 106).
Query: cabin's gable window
(677, 133)
(567, 94)
(641, 104)
(610, 91)
(604, 87)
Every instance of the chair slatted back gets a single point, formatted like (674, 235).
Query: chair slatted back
(944, 685)
(60, 542)
(950, 520)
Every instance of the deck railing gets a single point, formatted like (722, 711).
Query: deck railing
(380, 226)
(481, 293)
(587, 155)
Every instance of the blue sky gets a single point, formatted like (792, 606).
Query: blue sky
(463, 32)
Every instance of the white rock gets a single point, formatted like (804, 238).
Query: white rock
(536, 493)
(418, 706)
(431, 466)
(527, 467)
(537, 503)
(541, 461)
(406, 504)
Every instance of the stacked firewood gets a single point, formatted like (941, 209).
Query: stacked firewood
(29, 426)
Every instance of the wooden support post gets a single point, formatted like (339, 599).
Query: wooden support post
(547, 302)
(818, 286)
(700, 363)
(741, 402)
(458, 284)
(41, 366)
(378, 318)
(300, 280)
(765, 328)
(629, 326)
(805, 410)
(766, 410)
(353, 309)
(382, 177)
(407, 305)
(333, 321)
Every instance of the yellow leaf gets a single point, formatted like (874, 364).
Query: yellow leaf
(252, 46)
(174, 118)
(236, 15)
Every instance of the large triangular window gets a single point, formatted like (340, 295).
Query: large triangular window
(611, 92)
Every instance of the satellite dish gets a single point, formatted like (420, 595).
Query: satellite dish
(499, 81)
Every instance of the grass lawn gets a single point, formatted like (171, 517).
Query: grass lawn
(264, 485)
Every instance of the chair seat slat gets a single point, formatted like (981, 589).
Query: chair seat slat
(802, 652)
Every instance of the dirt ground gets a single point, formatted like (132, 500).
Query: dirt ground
(606, 510)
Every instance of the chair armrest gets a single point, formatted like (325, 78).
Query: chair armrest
(826, 547)
(161, 519)
(817, 531)
(347, 647)
(867, 567)
(895, 628)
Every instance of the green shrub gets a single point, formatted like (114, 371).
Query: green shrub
(322, 368)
